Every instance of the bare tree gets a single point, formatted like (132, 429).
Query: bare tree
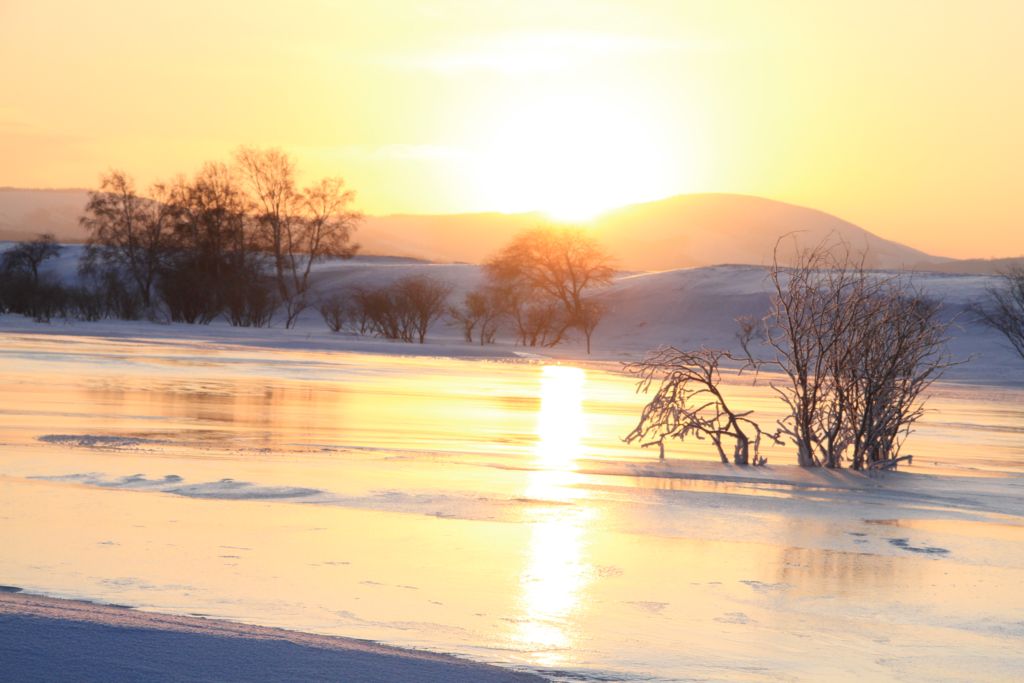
(211, 248)
(403, 310)
(482, 309)
(492, 311)
(689, 402)
(128, 233)
(590, 314)
(538, 322)
(897, 355)
(545, 269)
(856, 350)
(468, 315)
(23, 290)
(1004, 308)
(297, 227)
(28, 256)
(337, 311)
(270, 175)
(424, 299)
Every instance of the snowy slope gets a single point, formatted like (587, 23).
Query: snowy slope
(685, 307)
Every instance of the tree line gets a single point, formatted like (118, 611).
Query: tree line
(238, 241)
(235, 240)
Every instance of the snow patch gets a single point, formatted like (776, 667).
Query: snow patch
(225, 489)
(96, 440)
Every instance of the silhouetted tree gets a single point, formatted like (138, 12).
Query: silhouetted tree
(546, 273)
(482, 309)
(22, 289)
(128, 234)
(337, 311)
(296, 227)
(589, 315)
(425, 299)
(28, 256)
(210, 247)
(250, 298)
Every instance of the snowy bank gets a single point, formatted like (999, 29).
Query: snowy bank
(45, 639)
(686, 308)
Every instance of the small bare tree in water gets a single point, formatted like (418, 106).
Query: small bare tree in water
(852, 355)
(688, 402)
(856, 351)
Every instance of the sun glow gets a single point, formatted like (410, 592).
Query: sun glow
(574, 157)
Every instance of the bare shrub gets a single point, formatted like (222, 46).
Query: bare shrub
(403, 310)
(689, 402)
(424, 300)
(191, 293)
(120, 300)
(250, 299)
(856, 350)
(897, 354)
(26, 257)
(22, 289)
(84, 303)
(482, 310)
(338, 312)
(1003, 309)
(588, 317)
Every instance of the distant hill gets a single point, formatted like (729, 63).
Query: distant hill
(26, 213)
(708, 229)
(687, 230)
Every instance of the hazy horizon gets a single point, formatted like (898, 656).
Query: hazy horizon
(900, 119)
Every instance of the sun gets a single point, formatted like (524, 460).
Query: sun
(573, 158)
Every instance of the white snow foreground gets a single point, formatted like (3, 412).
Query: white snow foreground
(47, 639)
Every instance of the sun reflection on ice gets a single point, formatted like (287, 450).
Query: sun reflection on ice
(555, 573)
(560, 423)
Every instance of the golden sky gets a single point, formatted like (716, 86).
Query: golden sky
(906, 118)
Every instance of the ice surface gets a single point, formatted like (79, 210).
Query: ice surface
(488, 507)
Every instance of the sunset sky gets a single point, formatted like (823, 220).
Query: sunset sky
(906, 118)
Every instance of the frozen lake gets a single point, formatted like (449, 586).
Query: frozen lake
(488, 508)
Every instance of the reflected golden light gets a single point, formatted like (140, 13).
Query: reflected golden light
(555, 572)
(560, 423)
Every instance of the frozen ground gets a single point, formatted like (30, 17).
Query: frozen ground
(486, 507)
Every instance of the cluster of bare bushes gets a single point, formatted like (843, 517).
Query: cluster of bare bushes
(235, 241)
(538, 288)
(26, 290)
(850, 352)
(403, 310)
